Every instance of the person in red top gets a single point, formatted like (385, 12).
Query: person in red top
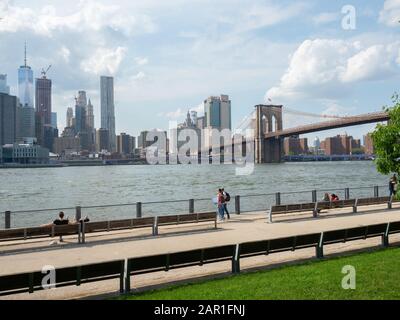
(220, 203)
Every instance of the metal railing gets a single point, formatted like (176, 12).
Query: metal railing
(239, 204)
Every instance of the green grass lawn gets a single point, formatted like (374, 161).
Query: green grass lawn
(377, 277)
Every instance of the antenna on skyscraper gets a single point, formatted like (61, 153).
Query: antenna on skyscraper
(25, 55)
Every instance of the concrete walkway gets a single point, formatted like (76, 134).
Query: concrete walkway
(17, 257)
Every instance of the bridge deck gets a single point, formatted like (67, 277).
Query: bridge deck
(327, 125)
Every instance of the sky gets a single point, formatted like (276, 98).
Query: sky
(168, 56)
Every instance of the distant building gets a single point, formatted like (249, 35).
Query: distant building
(68, 132)
(102, 140)
(25, 85)
(26, 123)
(8, 119)
(49, 134)
(124, 144)
(54, 120)
(43, 99)
(70, 117)
(201, 122)
(25, 154)
(339, 145)
(39, 128)
(4, 88)
(66, 145)
(26, 116)
(369, 144)
(80, 112)
(90, 126)
(90, 115)
(355, 143)
(108, 110)
(295, 146)
(218, 112)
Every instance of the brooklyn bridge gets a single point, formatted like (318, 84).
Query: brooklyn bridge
(269, 133)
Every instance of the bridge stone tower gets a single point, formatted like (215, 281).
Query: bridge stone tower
(268, 119)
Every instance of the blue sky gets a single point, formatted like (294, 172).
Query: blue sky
(168, 56)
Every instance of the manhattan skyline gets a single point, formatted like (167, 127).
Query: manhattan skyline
(165, 65)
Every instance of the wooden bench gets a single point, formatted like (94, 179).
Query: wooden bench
(166, 262)
(186, 218)
(81, 229)
(32, 281)
(41, 232)
(316, 207)
(358, 233)
(115, 225)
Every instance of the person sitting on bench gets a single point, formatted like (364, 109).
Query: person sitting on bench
(334, 197)
(60, 221)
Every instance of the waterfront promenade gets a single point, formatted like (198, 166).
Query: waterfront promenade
(27, 256)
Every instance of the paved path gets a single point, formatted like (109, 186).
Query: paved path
(19, 257)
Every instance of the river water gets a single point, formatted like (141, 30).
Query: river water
(43, 188)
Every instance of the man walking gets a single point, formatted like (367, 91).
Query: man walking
(393, 185)
(227, 198)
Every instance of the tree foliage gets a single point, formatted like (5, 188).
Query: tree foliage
(386, 139)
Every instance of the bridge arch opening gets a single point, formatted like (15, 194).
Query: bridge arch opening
(274, 123)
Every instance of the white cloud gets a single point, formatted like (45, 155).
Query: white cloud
(326, 66)
(88, 15)
(326, 17)
(104, 60)
(65, 53)
(173, 115)
(139, 76)
(390, 14)
(141, 61)
(261, 16)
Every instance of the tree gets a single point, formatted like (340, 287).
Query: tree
(386, 139)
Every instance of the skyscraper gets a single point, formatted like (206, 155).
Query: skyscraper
(25, 84)
(4, 88)
(90, 115)
(25, 94)
(54, 120)
(70, 117)
(8, 119)
(90, 126)
(218, 112)
(108, 109)
(43, 98)
(80, 112)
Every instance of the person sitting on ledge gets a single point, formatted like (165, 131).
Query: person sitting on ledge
(334, 197)
(327, 197)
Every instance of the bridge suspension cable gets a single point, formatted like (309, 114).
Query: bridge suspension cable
(314, 115)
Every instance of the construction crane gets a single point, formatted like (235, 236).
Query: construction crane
(45, 72)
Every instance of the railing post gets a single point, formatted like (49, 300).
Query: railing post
(347, 193)
(138, 210)
(278, 198)
(7, 222)
(78, 213)
(376, 191)
(191, 206)
(314, 196)
(237, 204)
